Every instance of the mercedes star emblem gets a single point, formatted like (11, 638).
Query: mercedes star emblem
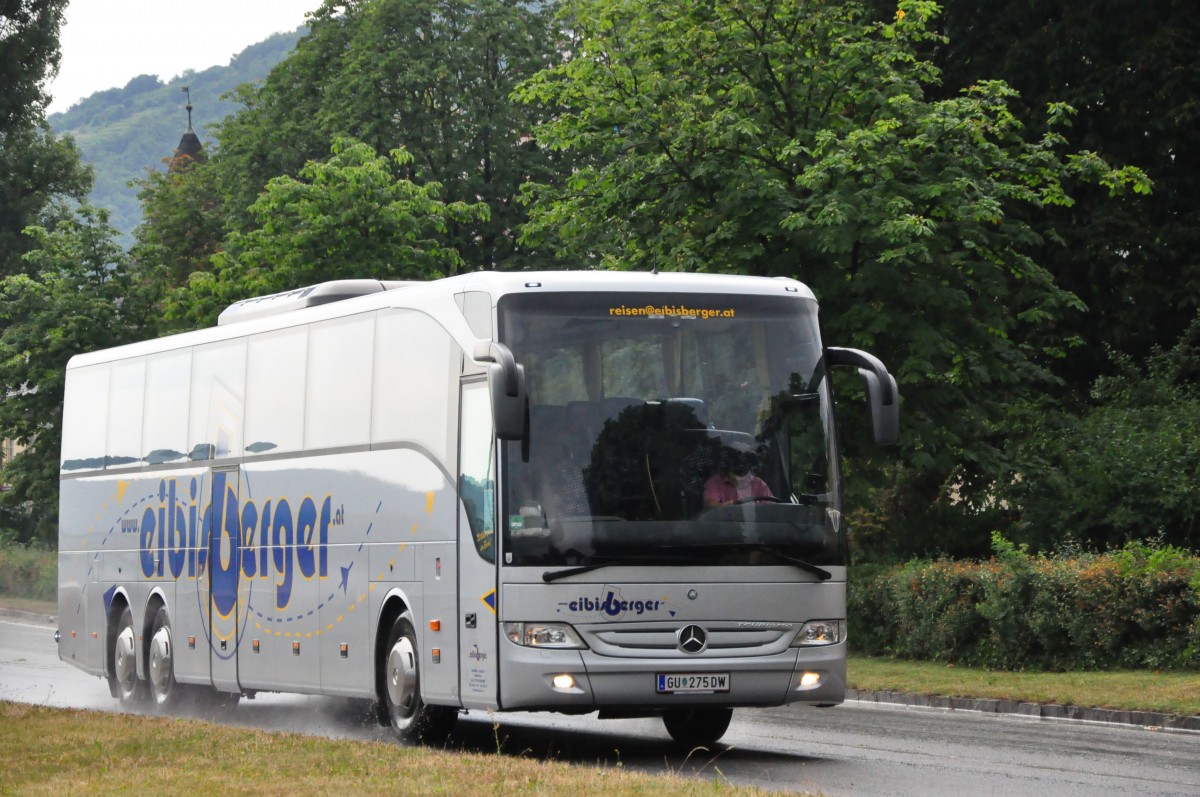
(692, 639)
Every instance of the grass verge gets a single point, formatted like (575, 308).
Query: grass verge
(47, 608)
(63, 751)
(1167, 692)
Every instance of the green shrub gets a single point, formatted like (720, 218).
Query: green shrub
(28, 571)
(1129, 461)
(1134, 608)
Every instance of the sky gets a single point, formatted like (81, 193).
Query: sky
(106, 42)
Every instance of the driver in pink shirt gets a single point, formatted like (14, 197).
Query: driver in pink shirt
(736, 480)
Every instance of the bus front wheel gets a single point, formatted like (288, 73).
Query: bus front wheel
(697, 727)
(411, 719)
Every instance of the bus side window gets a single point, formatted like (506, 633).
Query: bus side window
(477, 482)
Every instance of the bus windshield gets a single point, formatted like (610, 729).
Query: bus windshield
(670, 429)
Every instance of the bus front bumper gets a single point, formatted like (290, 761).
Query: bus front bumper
(582, 680)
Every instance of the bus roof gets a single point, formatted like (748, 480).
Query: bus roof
(348, 297)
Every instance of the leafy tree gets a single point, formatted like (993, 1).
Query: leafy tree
(37, 170)
(797, 138)
(1132, 72)
(40, 177)
(77, 294)
(347, 217)
(1133, 263)
(1129, 467)
(433, 78)
(124, 132)
(183, 225)
(28, 56)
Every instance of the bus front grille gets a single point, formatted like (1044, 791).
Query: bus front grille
(661, 640)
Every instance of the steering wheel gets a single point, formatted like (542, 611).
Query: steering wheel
(755, 499)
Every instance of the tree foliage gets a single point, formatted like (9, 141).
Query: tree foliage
(1132, 73)
(910, 164)
(124, 132)
(29, 55)
(1127, 467)
(77, 294)
(798, 138)
(347, 217)
(41, 176)
(38, 170)
(183, 223)
(431, 77)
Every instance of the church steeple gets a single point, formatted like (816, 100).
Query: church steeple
(189, 148)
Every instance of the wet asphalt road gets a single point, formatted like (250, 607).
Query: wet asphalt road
(854, 749)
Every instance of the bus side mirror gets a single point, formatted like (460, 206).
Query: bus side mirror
(882, 393)
(506, 383)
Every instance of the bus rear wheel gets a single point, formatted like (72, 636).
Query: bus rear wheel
(126, 685)
(410, 718)
(697, 727)
(160, 665)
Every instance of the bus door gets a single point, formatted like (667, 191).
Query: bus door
(224, 563)
(478, 679)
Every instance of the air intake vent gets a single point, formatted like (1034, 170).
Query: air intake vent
(326, 292)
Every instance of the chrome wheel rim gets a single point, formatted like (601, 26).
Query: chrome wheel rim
(402, 677)
(125, 662)
(161, 677)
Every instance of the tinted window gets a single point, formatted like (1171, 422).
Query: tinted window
(416, 370)
(275, 374)
(125, 397)
(477, 484)
(690, 428)
(165, 426)
(217, 403)
(338, 411)
(85, 418)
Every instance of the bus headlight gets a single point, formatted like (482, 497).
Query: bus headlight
(543, 635)
(819, 632)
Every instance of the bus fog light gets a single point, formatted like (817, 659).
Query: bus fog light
(543, 635)
(563, 681)
(810, 679)
(819, 632)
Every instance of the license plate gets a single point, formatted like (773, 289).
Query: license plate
(677, 682)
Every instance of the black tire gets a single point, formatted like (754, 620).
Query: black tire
(165, 692)
(126, 685)
(400, 703)
(697, 727)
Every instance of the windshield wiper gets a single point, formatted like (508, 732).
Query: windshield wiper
(645, 557)
(555, 575)
(807, 567)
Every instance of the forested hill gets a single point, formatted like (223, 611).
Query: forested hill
(123, 132)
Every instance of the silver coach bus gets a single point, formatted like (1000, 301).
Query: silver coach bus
(574, 492)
